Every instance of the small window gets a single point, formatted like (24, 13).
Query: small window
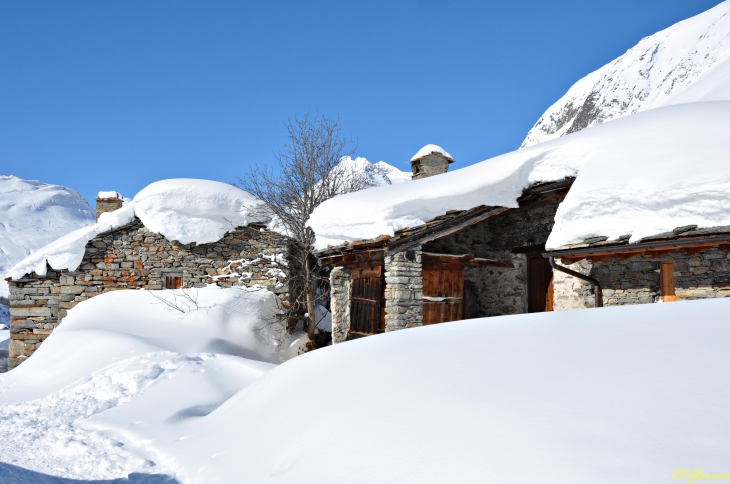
(667, 281)
(172, 280)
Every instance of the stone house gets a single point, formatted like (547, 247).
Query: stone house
(133, 257)
(491, 261)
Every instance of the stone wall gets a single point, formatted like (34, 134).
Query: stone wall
(636, 280)
(132, 257)
(492, 291)
(340, 291)
(403, 290)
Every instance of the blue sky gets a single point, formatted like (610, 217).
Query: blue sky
(114, 95)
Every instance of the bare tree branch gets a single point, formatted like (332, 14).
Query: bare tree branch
(310, 171)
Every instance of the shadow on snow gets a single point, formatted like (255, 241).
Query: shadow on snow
(10, 474)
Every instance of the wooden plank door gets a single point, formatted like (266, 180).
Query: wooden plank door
(366, 311)
(443, 295)
(539, 284)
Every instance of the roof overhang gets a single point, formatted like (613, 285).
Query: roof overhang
(655, 248)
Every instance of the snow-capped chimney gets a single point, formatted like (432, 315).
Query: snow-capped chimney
(107, 202)
(429, 161)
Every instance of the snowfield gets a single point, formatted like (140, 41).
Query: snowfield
(640, 175)
(32, 214)
(127, 363)
(623, 394)
(687, 62)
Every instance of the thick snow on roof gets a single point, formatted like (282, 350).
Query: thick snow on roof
(201, 211)
(182, 209)
(428, 149)
(106, 195)
(557, 397)
(640, 175)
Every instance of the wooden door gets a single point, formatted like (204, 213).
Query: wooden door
(443, 294)
(366, 311)
(539, 284)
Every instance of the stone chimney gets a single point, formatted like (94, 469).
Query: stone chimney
(107, 202)
(429, 161)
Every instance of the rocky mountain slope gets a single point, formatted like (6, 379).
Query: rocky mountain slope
(687, 62)
(379, 174)
(32, 214)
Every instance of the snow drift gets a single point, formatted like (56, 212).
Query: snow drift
(186, 210)
(624, 394)
(143, 365)
(640, 175)
(599, 396)
(32, 214)
(687, 62)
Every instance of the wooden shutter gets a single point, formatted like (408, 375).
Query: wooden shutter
(446, 288)
(366, 311)
(667, 281)
(172, 281)
(539, 284)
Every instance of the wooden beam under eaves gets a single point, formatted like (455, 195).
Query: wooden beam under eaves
(434, 261)
(629, 255)
(359, 258)
(658, 253)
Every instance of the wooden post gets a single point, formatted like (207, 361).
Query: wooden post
(667, 281)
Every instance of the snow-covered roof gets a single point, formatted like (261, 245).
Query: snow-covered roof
(182, 209)
(108, 195)
(431, 150)
(641, 175)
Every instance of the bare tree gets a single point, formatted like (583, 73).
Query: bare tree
(309, 172)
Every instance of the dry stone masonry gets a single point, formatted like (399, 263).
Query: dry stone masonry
(340, 292)
(497, 291)
(403, 290)
(636, 281)
(132, 257)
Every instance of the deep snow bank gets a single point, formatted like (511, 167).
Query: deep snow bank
(32, 214)
(182, 209)
(627, 394)
(640, 175)
(128, 361)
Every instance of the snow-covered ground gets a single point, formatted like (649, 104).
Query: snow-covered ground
(641, 175)
(32, 214)
(687, 62)
(131, 365)
(626, 394)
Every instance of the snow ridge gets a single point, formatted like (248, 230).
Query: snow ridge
(687, 62)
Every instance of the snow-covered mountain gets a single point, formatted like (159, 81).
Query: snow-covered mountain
(32, 214)
(379, 174)
(687, 62)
